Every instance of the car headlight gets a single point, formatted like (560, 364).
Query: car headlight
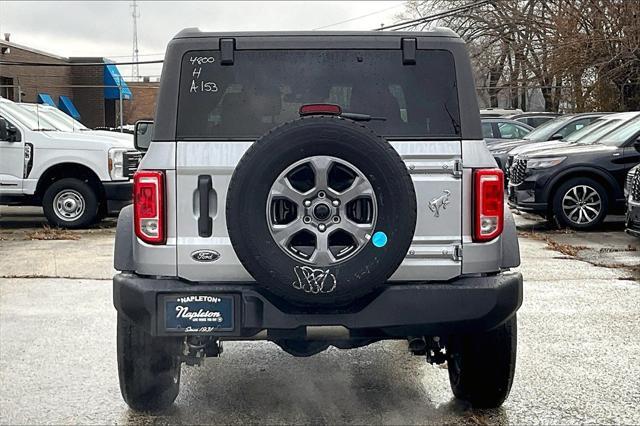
(116, 163)
(544, 163)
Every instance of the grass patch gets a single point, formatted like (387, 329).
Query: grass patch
(566, 249)
(48, 233)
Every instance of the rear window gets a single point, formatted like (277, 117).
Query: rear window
(265, 88)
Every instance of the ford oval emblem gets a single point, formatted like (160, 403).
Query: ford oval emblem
(205, 255)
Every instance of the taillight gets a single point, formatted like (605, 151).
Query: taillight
(148, 206)
(311, 109)
(488, 190)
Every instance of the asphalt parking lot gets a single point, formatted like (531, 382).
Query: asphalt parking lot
(578, 357)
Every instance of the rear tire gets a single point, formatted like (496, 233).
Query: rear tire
(70, 203)
(148, 367)
(482, 365)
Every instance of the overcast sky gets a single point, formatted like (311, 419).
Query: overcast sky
(104, 28)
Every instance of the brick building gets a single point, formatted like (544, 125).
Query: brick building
(143, 103)
(83, 91)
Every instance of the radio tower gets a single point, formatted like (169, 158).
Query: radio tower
(135, 68)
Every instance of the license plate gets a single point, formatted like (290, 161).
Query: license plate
(198, 313)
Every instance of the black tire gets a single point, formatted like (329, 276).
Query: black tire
(79, 188)
(260, 166)
(148, 367)
(562, 217)
(482, 365)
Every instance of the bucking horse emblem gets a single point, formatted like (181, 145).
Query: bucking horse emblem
(440, 202)
(313, 280)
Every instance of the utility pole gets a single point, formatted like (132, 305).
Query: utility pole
(135, 68)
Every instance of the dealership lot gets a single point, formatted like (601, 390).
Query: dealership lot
(352, 212)
(578, 359)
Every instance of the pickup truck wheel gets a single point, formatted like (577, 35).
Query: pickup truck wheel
(482, 365)
(70, 203)
(148, 367)
(580, 203)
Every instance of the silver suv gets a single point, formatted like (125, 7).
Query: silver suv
(316, 189)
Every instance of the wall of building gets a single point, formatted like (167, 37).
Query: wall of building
(143, 104)
(83, 84)
(89, 100)
(31, 80)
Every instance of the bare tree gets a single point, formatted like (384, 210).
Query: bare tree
(579, 54)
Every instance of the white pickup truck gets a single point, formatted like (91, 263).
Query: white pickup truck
(77, 175)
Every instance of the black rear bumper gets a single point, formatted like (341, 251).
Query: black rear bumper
(118, 194)
(469, 304)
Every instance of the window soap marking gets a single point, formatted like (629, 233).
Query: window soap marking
(198, 85)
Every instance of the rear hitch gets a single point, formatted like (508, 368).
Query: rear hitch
(198, 348)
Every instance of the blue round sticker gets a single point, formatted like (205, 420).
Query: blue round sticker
(379, 239)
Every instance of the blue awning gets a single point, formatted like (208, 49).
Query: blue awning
(45, 98)
(65, 105)
(112, 78)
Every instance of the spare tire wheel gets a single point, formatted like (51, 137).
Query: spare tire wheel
(321, 211)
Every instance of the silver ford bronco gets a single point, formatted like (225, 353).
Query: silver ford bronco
(316, 189)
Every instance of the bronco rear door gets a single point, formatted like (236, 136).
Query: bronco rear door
(227, 101)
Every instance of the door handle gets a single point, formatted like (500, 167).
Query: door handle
(205, 223)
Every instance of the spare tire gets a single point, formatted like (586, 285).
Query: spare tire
(321, 211)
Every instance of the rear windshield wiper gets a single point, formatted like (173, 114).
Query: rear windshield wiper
(361, 117)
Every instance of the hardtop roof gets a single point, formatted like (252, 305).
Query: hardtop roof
(435, 32)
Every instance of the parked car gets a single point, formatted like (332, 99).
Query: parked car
(66, 123)
(632, 192)
(589, 134)
(580, 183)
(555, 129)
(498, 112)
(274, 205)
(77, 178)
(534, 119)
(127, 129)
(497, 129)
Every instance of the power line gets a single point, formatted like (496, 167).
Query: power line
(395, 27)
(433, 17)
(440, 15)
(357, 17)
(75, 64)
(129, 55)
(425, 19)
